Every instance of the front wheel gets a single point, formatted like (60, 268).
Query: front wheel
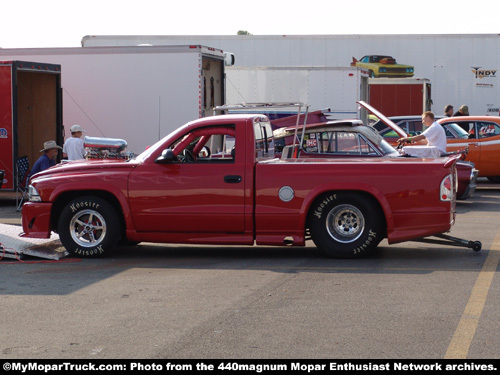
(89, 227)
(346, 225)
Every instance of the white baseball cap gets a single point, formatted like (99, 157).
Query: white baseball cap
(76, 128)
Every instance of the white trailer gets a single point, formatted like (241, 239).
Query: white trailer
(334, 88)
(139, 94)
(463, 68)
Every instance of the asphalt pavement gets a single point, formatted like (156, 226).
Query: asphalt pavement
(410, 300)
(8, 212)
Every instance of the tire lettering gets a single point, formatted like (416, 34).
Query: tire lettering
(76, 206)
(319, 209)
(95, 251)
(371, 236)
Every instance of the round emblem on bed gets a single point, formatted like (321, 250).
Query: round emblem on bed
(286, 193)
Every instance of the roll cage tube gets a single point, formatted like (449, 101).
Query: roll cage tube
(205, 134)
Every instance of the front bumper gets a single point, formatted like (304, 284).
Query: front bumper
(36, 220)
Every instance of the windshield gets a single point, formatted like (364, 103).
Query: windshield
(145, 154)
(388, 149)
(151, 149)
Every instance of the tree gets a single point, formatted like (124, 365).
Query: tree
(243, 32)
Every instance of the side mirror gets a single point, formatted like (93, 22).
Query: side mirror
(166, 157)
(229, 59)
(204, 152)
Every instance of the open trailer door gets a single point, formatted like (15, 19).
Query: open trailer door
(30, 113)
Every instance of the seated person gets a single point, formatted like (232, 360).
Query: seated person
(48, 159)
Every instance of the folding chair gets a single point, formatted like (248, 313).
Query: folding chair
(22, 170)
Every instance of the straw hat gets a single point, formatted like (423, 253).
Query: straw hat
(50, 145)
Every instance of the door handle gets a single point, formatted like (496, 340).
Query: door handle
(231, 179)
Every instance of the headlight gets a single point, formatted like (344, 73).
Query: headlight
(382, 70)
(33, 194)
(409, 70)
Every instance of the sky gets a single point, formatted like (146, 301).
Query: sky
(63, 23)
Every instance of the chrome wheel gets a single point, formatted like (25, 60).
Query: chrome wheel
(87, 228)
(345, 223)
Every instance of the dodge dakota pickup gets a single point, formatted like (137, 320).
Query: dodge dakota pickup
(216, 180)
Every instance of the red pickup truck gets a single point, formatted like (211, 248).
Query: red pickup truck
(216, 181)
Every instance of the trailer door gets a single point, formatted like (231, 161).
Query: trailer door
(212, 76)
(6, 131)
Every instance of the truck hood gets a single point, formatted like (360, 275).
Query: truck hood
(384, 119)
(85, 167)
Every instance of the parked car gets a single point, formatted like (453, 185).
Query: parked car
(383, 66)
(479, 134)
(340, 138)
(348, 138)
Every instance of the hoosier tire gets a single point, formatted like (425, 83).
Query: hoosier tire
(89, 227)
(346, 225)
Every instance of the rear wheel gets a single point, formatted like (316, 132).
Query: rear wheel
(346, 225)
(89, 227)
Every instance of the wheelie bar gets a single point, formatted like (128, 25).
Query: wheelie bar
(444, 239)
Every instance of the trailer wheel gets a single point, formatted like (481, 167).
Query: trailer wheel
(346, 225)
(89, 227)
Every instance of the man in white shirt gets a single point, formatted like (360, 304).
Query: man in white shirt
(74, 147)
(434, 134)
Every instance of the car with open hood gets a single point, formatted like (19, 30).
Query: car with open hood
(479, 135)
(350, 137)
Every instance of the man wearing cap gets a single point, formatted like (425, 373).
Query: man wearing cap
(48, 159)
(462, 111)
(74, 147)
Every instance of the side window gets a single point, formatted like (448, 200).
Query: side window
(347, 142)
(403, 125)
(264, 142)
(487, 129)
(334, 142)
(213, 144)
(468, 126)
(326, 142)
(310, 142)
(220, 147)
(454, 130)
(365, 147)
(415, 127)
(448, 133)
